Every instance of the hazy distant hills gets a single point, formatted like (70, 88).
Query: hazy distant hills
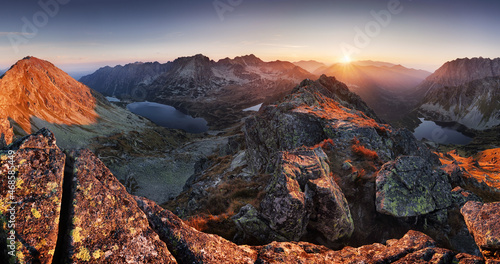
(465, 91)
(380, 84)
(310, 65)
(215, 90)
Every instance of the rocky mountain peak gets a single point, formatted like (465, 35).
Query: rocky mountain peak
(36, 88)
(461, 71)
(248, 60)
(464, 91)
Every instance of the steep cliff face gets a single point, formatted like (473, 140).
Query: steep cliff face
(36, 88)
(464, 91)
(475, 104)
(461, 71)
(71, 209)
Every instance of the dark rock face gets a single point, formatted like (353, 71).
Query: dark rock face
(96, 222)
(317, 110)
(464, 91)
(303, 194)
(474, 104)
(120, 81)
(460, 71)
(325, 114)
(409, 187)
(483, 222)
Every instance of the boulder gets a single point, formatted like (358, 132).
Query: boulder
(483, 221)
(304, 195)
(302, 252)
(189, 245)
(107, 224)
(409, 187)
(36, 194)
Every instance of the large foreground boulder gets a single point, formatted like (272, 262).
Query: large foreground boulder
(409, 186)
(32, 172)
(303, 194)
(70, 209)
(107, 225)
(483, 221)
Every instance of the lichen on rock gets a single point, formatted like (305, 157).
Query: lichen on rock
(409, 186)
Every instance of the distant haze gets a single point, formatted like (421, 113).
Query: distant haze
(82, 35)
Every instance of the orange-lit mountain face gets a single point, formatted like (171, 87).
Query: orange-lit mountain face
(37, 88)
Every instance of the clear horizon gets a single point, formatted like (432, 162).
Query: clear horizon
(79, 35)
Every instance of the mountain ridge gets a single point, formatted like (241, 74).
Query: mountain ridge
(464, 91)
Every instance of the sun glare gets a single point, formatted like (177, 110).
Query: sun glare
(346, 59)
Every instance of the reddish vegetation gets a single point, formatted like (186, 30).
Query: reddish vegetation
(201, 222)
(36, 88)
(361, 150)
(484, 167)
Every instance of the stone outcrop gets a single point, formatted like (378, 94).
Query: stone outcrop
(319, 110)
(189, 245)
(302, 195)
(325, 115)
(409, 187)
(483, 221)
(117, 228)
(93, 222)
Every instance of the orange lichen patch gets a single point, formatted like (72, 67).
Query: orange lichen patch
(361, 150)
(36, 88)
(202, 221)
(484, 167)
(328, 109)
(325, 144)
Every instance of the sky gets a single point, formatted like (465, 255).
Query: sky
(83, 35)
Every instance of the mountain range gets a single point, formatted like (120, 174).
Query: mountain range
(216, 91)
(194, 83)
(465, 90)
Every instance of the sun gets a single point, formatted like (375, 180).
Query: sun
(346, 59)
